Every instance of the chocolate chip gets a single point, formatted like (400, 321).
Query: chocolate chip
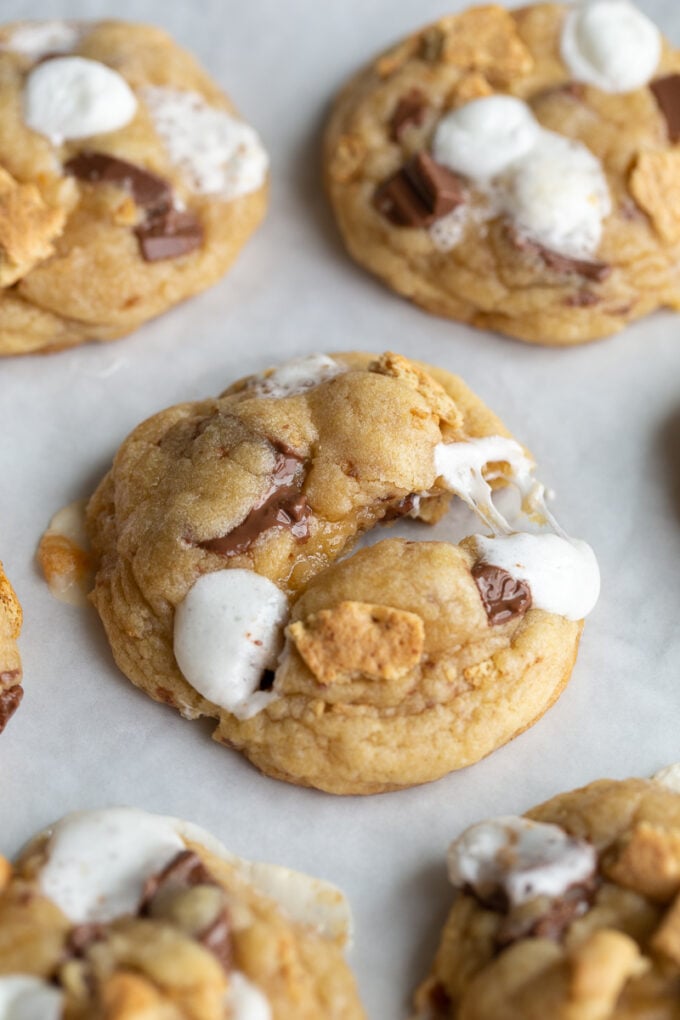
(10, 697)
(282, 506)
(504, 597)
(667, 94)
(217, 938)
(267, 680)
(147, 189)
(186, 869)
(402, 508)
(81, 938)
(591, 270)
(419, 194)
(552, 919)
(410, 110)
(168, 234)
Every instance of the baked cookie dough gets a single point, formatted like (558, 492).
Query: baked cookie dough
(219, 532)
(517, 170)
(571, 912)
(120, 914)
(127, 181)
(11, 691)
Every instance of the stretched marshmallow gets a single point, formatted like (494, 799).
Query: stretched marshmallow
(610, 44)
(28, 998)
(562, 573)
(520, 859)
(295, 376)
(217, 153)
(72, 97)
(36, 39)
(228, 631)
(98, 861)
(246, 1000)
(484, 137)
(558, 196)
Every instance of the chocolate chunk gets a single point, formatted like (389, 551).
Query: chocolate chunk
(582, 299)
(552, 921)
(168, 234)
(147, 189)
(81, 938)
(667, 94)
(267, 680)
(504, 596)
(10, 697)
(186, 869)
(282, 506)
(595, 271)
(401, 509)
(410, 110)
(419, 194)
(217, 938)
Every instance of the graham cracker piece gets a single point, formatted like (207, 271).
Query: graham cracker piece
(400, 368)
(649, 862)
(359, 639)
(486, 39)
(27, 228)
(655, 186)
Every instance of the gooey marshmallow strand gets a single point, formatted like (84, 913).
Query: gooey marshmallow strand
(96, 867)
(519, 857)
(553, 188)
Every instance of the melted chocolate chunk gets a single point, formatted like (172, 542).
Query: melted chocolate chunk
(419, 194)
(267, 680)
(81, 938)
(667, 94)
(503, 596)
(595, 271)
(186, 869)
(147, 189)
(217, 938)
(168, 234)
(401, 509)
(410, 110)
(582, 299)
(282, 506)
(10, 697)
(553, 921)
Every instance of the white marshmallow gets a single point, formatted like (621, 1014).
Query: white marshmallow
(98, 861)
(610, 44)
(35, 39)
(217, 153)
(245, 1000)
(228, 630)
(28, 998)
(72, 97)
(295, 376)
(521, 858)
(668, 777)
(562, 573)
(558, 196)
(484, 137)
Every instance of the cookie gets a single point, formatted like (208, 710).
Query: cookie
(517, 170)
(11, 691)
(127, 181)
(571, 911)
(217, 541)
(119, 914)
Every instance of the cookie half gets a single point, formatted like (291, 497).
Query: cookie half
(517, 170)
(120, 913)
(11, 616)
(127, 181)
(571, 911)
(217, 536)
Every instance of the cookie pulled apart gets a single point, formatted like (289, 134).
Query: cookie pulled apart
(220, 541)
(119, 913)
(517, 170)
(127, 181)
(572, 911)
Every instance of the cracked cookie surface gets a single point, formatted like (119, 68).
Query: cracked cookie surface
(219, 535)
(120, 914)
(127, 181)
(567, 237)
(571, 912)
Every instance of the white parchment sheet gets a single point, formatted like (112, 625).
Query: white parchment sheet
(603, 421)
